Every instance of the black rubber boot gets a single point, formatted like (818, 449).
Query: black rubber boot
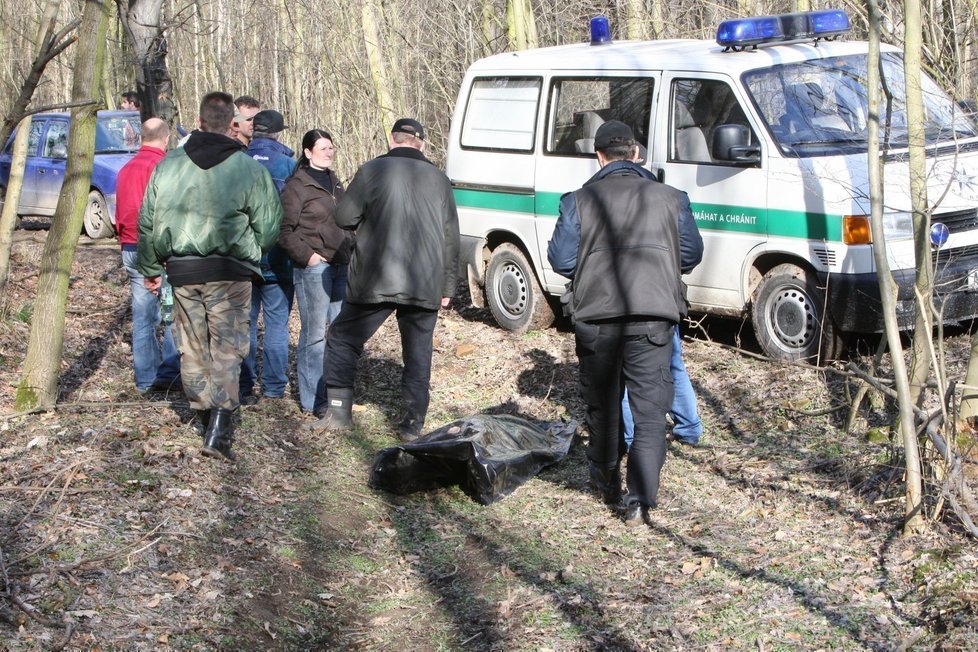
(219, 435)
(339, 412)
(607, 482)
(201, 420)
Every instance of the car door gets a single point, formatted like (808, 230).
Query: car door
(728, 200)
(51, 166)
(28, 193)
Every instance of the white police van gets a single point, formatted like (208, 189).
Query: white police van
(770, 144)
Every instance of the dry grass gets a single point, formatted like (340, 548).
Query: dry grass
(781, 534)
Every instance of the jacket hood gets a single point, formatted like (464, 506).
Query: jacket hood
(621, 168)
(208, 150)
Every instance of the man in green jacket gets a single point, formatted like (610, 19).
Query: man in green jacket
(208, 214)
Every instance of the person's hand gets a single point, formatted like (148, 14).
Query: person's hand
(152, 283)
(445, 301)
(315, 259)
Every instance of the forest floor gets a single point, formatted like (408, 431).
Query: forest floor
(783, 532)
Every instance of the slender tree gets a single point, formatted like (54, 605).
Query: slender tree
(925, 282)
(39, 384)
(8, 217)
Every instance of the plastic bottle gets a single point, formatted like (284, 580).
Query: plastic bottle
(166, 302)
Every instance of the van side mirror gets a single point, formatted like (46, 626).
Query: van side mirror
(59, 151)
(732, 143)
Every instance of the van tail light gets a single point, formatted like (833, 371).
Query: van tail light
(855, 230)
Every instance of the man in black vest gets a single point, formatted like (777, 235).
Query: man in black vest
(624, 239)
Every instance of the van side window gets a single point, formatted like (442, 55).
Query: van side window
(56, 140)
(578, 106)
(699, 106)
(501, 114)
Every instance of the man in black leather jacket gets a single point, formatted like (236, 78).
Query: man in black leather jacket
(405, 260)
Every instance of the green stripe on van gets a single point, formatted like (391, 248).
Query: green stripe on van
(500, 201)
(712, 217)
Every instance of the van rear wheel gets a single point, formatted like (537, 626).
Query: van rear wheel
(788, 312)
(515, 297)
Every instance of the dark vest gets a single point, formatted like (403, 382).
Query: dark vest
(628, 261)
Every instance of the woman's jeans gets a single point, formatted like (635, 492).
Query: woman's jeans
(320, 291)
(685, 417)
(149, 362)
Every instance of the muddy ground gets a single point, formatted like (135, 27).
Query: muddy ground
(782, 533)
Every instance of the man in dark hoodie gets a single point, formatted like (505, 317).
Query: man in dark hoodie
(624, 240)
(404, 262)
(208, 214)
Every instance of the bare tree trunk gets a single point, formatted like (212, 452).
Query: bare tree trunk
(659, 7)
(8, 218)
(925, 281)
(39, 384)
(521, 25)
(636, 26)
(378, 67)
(141, 21)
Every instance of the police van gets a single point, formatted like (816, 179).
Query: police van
(765, 129)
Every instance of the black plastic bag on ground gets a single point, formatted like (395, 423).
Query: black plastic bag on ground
(488, 456)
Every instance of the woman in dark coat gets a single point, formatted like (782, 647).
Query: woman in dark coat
(321, 252)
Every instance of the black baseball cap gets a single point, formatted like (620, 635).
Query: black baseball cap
(613, 134)
(408, 126)
(269, 121)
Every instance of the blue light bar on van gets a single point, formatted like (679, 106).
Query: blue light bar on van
(600, 31)
(742, 33)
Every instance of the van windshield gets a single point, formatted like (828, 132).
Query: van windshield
(820, 107)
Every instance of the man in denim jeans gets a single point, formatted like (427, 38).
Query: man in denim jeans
(154, 369)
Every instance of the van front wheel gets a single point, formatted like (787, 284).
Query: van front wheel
(97, 221)
(515, 297)
(789, 317)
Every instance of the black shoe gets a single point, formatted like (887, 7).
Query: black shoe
(607, 482)
(410, 427)
(636, 514)
(201, 420)
(249, 399)
(692, 443)
(219, 435)
(408, 432)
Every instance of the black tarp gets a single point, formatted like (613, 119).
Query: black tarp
(488, 456)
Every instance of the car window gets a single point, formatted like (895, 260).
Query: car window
(33, 139)
(699, 106)
(581, 105)
(118, 133)
(56, 140)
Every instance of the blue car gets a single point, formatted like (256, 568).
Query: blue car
(116, 141)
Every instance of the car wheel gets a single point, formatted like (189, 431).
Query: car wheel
(788, 311)
(97, 221)
(515, 297)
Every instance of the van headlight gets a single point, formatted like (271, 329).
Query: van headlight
(897, 226)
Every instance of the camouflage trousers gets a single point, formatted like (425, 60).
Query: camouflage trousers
(211, 330)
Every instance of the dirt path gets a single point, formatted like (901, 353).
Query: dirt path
(781, 534)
